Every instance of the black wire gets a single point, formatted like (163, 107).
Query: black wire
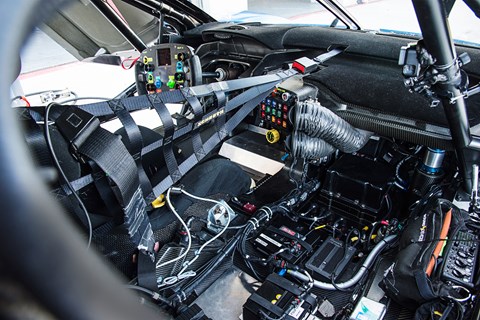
(153, 294)
(292, 179)
(433, 192)
(62, 173)
(138, 288)
(242, 244)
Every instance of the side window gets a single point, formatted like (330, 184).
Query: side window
(50, 73)
(42, 52)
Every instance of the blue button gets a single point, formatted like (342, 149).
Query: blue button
(179, 66)
(158, 82)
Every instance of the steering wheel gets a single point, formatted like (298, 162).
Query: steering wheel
(166, 67)
(42, 250)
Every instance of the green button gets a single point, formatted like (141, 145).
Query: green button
(268, 109)
(171, 82)
(150, 77)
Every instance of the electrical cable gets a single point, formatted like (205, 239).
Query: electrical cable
(184, 226)
(292, 179)
(23, 98)
(197, 253)
(138, 288)
(134, 60)
(402, 184)
(215, 262)
(84, 98)
(64, 176)
(310, 282)
(153, 294)
(242, 249)
(189, 274)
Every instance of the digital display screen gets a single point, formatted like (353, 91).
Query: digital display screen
(163, 57)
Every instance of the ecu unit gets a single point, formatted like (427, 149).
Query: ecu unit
(278, 298)
(274, 110)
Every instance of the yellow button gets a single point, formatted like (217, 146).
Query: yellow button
(272, 136)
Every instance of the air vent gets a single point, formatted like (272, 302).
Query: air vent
(236, 27)
(222, 36)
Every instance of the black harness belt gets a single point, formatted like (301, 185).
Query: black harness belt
(91, 143)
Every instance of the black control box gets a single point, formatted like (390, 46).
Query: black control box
(331, 257)
(356, 187)
(278, 298)
(287, 240)
(460, 259)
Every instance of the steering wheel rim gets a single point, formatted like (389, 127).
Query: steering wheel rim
(44, 252)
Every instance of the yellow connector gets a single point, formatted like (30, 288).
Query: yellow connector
(159, 202)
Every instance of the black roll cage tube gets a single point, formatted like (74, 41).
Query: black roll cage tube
(433, 21)
(155, 8)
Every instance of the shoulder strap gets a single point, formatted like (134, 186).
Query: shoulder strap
(93, 143)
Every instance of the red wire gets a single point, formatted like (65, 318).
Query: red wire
(26, 101)
(134, 60)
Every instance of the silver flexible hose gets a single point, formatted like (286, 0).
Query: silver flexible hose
(363, 269)
(319, 122)
(309, 148)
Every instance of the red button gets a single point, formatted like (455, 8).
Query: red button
(285, 108)
(263, 114)
(279, 122)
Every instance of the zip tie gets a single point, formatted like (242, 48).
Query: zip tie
(256, 221)
(181, 296)
(268, 211)
(253, 224)
(271, 212)
(267, 218)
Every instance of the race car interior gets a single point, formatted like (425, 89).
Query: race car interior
(307, 173)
